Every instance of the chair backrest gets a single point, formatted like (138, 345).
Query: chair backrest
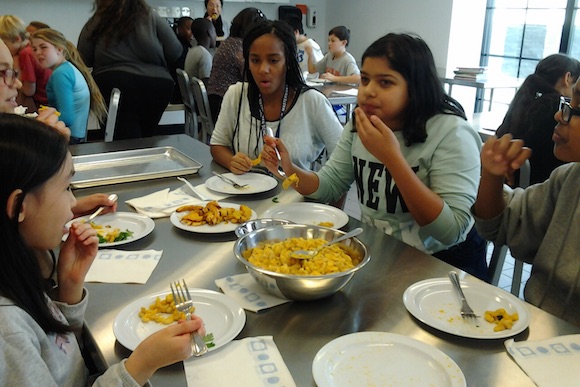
(112, 115)
(202, 103)
(499, 252)
(186, 92)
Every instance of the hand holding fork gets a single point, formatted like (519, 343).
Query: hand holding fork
(184, 303)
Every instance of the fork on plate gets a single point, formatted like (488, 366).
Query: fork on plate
(466, 311)
(230, 181)
(184, 303)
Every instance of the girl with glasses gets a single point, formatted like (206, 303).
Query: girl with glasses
(539, 224)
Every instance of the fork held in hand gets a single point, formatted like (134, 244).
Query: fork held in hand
(466, 311)
(184, 303)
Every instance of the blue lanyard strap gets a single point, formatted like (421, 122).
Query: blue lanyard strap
(282, 111)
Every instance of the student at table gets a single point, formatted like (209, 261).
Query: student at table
(71, 88)
(198, 61)
(531, 113)
(9, 86)
(42, 299)
(338, 65)
(410, 151)
(274, 96)
(539, 224)
(228, 61)
(302, 42)
(213, 12)
(34, 78)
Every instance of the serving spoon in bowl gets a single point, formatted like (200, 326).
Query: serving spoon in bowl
(307, 254)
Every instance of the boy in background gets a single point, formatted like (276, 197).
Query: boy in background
(302, 42)
(198, 61)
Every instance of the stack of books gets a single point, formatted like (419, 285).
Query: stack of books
(471, 73)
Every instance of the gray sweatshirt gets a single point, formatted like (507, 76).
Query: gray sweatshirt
(30, 357)
(541, 226)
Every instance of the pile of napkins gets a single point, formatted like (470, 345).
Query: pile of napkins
(550, 362)
(253, 361)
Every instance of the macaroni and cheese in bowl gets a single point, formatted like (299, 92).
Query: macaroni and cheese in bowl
(266, 254)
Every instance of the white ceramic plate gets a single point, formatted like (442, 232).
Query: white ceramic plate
(222, 316)
(206, 229)
(141, 225)
(434, 303)
(307, 213)
(257, 183)
(381, 358)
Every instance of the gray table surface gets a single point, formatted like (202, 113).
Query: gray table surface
(372, 301)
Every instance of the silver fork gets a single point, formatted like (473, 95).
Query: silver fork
(281, 172)
(184, 303)
(466, 311)
(230, 181)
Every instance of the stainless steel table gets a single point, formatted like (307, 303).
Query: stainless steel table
(372, 301)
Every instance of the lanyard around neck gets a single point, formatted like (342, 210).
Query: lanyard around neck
(282, 111)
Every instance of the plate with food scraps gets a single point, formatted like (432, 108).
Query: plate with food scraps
(435, 303)
(382, 358)
(223, 317)
(308, 213)
(218, 228)
(118, 228)
(255, 183)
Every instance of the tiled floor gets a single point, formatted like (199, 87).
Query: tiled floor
(352, 208)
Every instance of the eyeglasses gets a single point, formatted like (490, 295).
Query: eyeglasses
(9, 76)
(567, 110)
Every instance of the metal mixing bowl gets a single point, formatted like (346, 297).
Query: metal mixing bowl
(256, 224)
(298, 287)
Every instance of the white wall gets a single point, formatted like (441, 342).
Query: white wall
(69, 16)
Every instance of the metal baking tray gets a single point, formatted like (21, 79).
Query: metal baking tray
(132, 165)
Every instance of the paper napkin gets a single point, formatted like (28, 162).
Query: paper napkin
(161, 203)
(549, 362)
(118, 266)
(248, 293)
(257, 361)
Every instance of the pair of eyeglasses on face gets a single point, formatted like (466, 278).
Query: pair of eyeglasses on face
(567, 110)
(9, 76)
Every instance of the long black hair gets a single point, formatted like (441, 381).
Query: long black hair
(245, 20)
(30, 154)
(116, 19)
(410, 56)
(294, 78)
(540, 84)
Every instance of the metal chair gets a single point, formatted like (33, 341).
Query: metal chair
(112, 115)
(202, 103)
(184, 82)
(499, 252)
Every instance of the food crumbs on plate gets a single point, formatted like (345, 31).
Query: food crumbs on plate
(293, 178)
(326, 224)
(502, 319)
(275, 199)
(257, 160)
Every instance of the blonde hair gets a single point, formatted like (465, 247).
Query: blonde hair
(12, 27)
(70, 52)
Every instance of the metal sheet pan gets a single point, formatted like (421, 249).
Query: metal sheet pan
(132, 165)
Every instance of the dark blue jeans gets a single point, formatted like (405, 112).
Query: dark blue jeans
(469, 255)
